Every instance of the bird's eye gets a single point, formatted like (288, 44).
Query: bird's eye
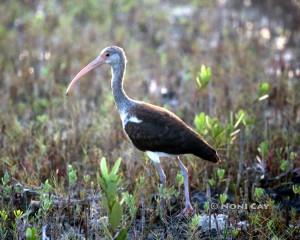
(107, 54)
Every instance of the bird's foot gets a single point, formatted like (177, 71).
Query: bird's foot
(188, 210)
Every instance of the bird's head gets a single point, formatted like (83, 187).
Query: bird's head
(113, 56)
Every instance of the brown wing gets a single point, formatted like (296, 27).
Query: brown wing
(162, 131)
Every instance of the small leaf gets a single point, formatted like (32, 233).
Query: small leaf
(18, 213)
(258, 192)
(116, 166)
(194, 223)
(220, 173)
(263, 89)
(42, 118)
(208, 121)
(223, 198)
(200, 122)
(211, 182)
(296, 189)
(241, 116)
(103, 168)
(204, 76)
(4, 215)
(179, 179)
(264, 149)
(284, 164)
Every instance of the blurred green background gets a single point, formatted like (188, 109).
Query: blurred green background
(252, 48)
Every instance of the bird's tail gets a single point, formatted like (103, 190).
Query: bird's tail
(212, 156)
(206, 152)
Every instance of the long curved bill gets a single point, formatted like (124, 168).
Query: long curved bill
(95, 63)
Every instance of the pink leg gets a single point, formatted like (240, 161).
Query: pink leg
(161, 173)
(188, 206)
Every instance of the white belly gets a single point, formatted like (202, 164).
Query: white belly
(154, 156)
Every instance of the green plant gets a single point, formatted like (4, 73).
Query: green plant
(263, 89)
(271, 225)
(18, 213)
(207, 206)
(130, 202)
(3, 223)
(194, 225)
(46, 198)
(255, 219)
(223, 198)
(110, 182)
(293, 156)
(221, 134)
(3, 215)
(263, 149)
(235, 232)
(42, 119)
(212, 182)
(258, 193)
(284, 164)
(220, 174)
(5, 184)
(179, 179)
(72, 175)
(167, 192)
(30, 233)
(296, 189)
(204, 76)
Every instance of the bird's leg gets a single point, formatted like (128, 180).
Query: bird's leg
(188, 206)
(161, 173)
(163, 180)
(156, 161)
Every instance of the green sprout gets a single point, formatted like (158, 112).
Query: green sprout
(30, 233)
(72, 175)
(293, 156)
(109, 182)
(284, 164)
(235, 232)
(223, 198)
(45, 197)
(259, 192)
(263, 89)
(220, 173)
(206, 206)
(212, 182)
(5, 183)
(3, 215)
(263, 149)
(42, 119)
(204, 76)
(271, 225)
(179, 179)
(129, 200)
(255, 219)
(194, 225)
(18, 213)
(296, 189)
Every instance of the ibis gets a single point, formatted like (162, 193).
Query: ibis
(152, 129)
